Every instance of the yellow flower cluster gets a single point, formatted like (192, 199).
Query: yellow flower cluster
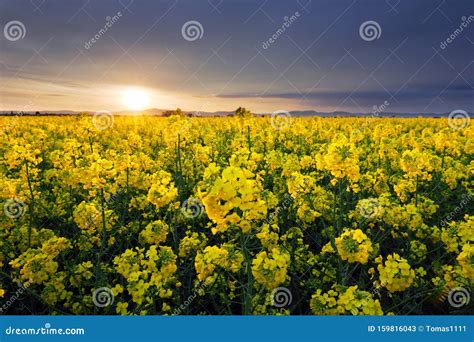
(155, 233)
(147, 272)
(342, 302)
(88, 216)
(418, 164)
(191, 243)
(213, 258)
(365, 215)
(82, 272)
(311, 200)
(234, 198)
(466, 261)
(39, 265)
(341, 160)
(395, 274)
(354, 246)
(270, 269)
(457, 234)
(162, 191)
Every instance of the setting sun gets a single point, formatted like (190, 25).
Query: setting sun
(136, 99)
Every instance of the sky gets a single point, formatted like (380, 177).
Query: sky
(216, 55)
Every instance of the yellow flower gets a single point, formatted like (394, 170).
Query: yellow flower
(234, 198)
(162, 191)
(457, 234)
(341, 159)
(144, 270)
(396, 274)
(155, 232)
(327, 248)
(270, 269)
(341, 302)
(122, 308)
(213, 257)
(192, 242)
(354, 246)
(466, 260)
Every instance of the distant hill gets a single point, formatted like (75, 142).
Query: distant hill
(382, 114)
(165, 112)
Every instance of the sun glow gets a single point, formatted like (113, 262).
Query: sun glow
(136, 99)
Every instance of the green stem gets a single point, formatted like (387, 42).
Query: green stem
(32, 206)
(246, 308)
(104, 227)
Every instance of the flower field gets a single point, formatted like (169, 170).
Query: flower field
(191, 216)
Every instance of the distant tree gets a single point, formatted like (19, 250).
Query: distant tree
(177, 112)
(241, 112)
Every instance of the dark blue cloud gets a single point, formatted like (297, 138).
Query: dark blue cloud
(319, 59)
